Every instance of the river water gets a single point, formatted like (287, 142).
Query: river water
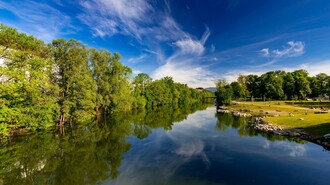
(191, 146)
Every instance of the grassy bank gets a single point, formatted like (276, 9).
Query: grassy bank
(306, 116)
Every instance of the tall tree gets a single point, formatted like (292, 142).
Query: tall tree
(323, 85)
(301, 83)
(26, 92)
(271, 85)
(314, 86)
(77, 89)
(120, 95)
(289, 86)
(239, 90)
(224, 92)
(101, 68)
(253, 84)
(140, 83)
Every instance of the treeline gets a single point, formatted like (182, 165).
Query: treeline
(275, 85)
(65, 82)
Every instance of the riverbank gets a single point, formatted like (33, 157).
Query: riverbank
(306, 120)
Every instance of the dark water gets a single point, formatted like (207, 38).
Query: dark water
(163, 147)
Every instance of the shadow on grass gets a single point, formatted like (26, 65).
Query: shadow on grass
(317, 130)
(308, 104)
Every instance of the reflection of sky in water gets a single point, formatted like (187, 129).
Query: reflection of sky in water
(196, 152)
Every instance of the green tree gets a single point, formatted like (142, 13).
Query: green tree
(289, 86)
(301, 83)
(26, 91)
(224, 92)
(271, 85)
(239, 90)
(77, 88)
(314, 86)
(121, 96)
(140, 83)
(101, 68)
(323, 85)
(253, 84)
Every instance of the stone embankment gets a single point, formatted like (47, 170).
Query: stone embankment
(259, 123)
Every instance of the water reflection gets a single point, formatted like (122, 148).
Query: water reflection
(165, 146)
(88, 154)
(225, 121)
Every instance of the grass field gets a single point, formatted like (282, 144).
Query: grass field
(289, 114)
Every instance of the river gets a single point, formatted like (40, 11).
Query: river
(192, 146)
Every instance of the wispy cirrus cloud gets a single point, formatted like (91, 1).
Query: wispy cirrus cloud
(192, 46)
(136, 18)
(39, 19)
(189, 46)
(292, 50)
(137, 59)
(109, 17)
(182, 64)
(153, 27)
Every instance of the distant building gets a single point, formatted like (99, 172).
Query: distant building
(200, 88)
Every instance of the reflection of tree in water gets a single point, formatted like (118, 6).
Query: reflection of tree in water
(87, 154)
(84, 155)
(225, 121)
(163, 117)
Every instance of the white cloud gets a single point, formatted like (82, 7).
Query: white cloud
(39, 19)
(313, 68)
(136, 72)
(152, 52)
(193, 75)
(109, 17)
(152, 27)
(294, 49)
(138, 59)
(192, 46)
(136, 18)
(189, 46)
(205, 36)
(183, 65)
(265, 52)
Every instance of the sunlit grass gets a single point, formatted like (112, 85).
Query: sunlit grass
(298, 115)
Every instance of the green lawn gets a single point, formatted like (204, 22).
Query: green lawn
(314, 124)
(302, 116)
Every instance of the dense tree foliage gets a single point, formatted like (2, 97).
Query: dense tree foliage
(27, 95)
(72, 75)
(67, 82)
(276, 85)
(224, 92)
(166, 92)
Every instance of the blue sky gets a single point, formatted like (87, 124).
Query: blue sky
(194, 41)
